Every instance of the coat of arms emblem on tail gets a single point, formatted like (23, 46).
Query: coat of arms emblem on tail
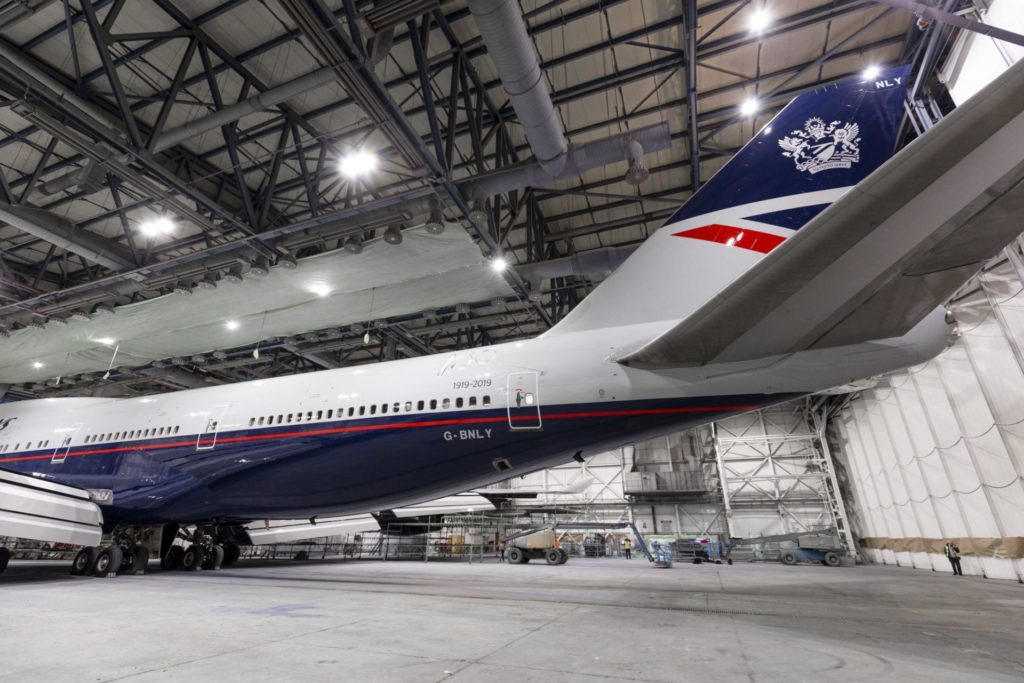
(819, 147)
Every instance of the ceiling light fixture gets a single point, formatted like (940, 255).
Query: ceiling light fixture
(157, 227)
(435, 224)
(37, 364)
(106, 341)
(232, 325)
(750, 107)
(393, 235)
(358, 163)
(499, 264)
(871, 73)
(760, 20)
(320, 289)
(353, 245)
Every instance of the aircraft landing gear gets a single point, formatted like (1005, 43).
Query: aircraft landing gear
(126, 554)
(202, 552)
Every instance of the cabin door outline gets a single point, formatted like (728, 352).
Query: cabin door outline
(522, 401)
(209, 428)
(60, 453)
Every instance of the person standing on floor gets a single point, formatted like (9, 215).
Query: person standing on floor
(627, 548)
(953, 554)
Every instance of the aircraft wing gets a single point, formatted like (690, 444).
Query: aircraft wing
(878, 260)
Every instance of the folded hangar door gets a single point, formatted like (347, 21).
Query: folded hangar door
(523, 400)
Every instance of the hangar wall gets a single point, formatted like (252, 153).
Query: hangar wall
(937, 451)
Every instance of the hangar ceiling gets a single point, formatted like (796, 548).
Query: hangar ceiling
(229, 117)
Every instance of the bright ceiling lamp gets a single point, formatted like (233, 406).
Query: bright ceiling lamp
(871, 73)
(760, 20)
(319, 289)
(157, 227)
(499, 264)
(232, 325)
(358, 163)
(37, 364)
(106, 341)
(750, 106)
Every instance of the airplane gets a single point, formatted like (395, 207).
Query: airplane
(815, 257)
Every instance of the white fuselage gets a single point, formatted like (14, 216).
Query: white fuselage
(58, 437)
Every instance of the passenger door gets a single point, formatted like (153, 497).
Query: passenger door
(523, 400)
(210, 427)
(60, 453)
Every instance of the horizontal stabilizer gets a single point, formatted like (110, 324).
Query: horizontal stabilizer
(881, 258)
(43, 510)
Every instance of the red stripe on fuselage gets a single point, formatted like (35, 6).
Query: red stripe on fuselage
(744, 238)
(393, 425)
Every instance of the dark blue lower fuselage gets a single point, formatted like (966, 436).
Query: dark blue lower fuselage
(355, 466)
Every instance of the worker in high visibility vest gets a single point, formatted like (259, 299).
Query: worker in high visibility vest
(953, 555)
(627, 548)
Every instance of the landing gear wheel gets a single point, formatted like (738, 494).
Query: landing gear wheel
(172, 560)
(193, 558)
(5, 557)
(832, 560)
(564, 556)
(84, 560)
(140, 560)
(108, 561)
(214, 560)
(788, 558)
(231, 554)
(516, 556)
(553, 556)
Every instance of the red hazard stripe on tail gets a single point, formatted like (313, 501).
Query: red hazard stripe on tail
(744, 238)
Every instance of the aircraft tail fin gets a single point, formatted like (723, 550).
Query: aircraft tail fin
(809, 155)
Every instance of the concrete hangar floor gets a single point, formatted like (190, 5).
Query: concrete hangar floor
(602, 620)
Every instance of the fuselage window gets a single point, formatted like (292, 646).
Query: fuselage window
(309, 416)
(458, 402)
(252, 421)
(472, 401)
(446, 403)
(261, 421)
(433, 404)
(487, 400)
(351, 411)
(320, 415)
(362, 410)
(408, 406)
(17, 446)
(176, 428)
(396, 408)
(419, 405)
(373, 409)
(289, 417)
(384, 408)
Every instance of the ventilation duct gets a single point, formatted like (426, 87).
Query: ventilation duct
(234, 112)
(596, 262)
(61, 232)
(504, 33)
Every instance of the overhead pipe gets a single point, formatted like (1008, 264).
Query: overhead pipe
(234, 112)
(600, 262)
(573, 163)
(61, 232)
(503, 30)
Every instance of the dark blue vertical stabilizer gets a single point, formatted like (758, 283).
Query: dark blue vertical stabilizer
(831, 137)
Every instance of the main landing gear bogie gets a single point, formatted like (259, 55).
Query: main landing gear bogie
(204, 548)
(111, 560)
